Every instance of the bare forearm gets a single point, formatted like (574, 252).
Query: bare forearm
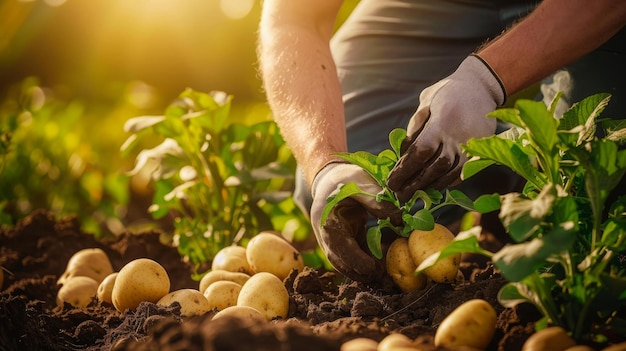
(555, 34)
(302, 89)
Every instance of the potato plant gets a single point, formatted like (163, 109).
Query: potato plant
(221, 182)
(568, 225)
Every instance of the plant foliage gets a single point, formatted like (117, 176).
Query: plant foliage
(568, 225)
(417, 212)
(222, 182)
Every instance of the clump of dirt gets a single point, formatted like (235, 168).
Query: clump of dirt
(325, 309)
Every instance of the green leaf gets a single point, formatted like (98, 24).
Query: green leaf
(473, 166)
(513, 294)
(456, 197)
(540, 125)
(582, 114)
(420, 220)
(396, 137)
(345, 191)
(365, 160)
(487, 203)
(522, 217)
(507, 115)
(517, 261)
(464, 242)
(507, 153)
(373, 237)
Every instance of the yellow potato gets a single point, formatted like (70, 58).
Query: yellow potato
(551, 338)
(232, 259)
(401, 268)
(222, 294)
(267, 252)
(359, 344)
(617, 347)
(139, 280)
(396, 341)
(587, 348)
(77, 291)
(266, 293)
(471, 324)
(219, 275)
(93, 263)
(192, 302)
(106, 288)
(422, 244)
(244, 312)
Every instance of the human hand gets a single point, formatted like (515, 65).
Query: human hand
(450, 112)
(342, 236)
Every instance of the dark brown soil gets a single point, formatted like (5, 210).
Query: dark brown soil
(325, 310)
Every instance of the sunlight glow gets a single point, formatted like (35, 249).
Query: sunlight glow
(236, 9)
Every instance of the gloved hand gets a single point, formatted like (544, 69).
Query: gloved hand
(342, 236)
(450, 112)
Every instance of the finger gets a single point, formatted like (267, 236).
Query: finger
(444, 170)
(340, 231)
(417, 157)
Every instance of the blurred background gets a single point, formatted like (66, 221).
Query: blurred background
(73, 72)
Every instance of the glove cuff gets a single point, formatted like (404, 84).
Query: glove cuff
(325, 169)
(498, 91)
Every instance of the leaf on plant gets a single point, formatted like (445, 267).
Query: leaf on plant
(473, 166)
(487, 203)
(396, 137)
(540, 125)
(137, 124)
(373, 237)
(456, 197)
(420, 220)
(157, 153)
(583, 114)
(343, 191)
(522, 217)
(517, 261)
(365, 160)
(464, 242)
(507, 153)
(513, 294)
(507, 115)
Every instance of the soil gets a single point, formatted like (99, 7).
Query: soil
(325, 311)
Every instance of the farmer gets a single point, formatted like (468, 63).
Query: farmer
(435, 68)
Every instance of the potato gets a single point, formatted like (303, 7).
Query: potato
(93, 263)
(139, 280)
(245, 312)
(617, 347)
(266, 293)
(422, 244)
(359, 344)
(192, 302)
(551, 338)
(396, 341)
(222, 294)
(77, 291)
(401, 268)
(471, 324)
(267, 252)
(232, 259)
(587, 348)
(219, 275)
(106, 288)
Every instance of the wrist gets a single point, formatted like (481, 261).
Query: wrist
(327, 167)
(488, 76)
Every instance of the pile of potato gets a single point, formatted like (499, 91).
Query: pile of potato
(406, 254)
(245, 281)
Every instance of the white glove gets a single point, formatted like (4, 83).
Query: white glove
(450, 112)
(342, 236)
